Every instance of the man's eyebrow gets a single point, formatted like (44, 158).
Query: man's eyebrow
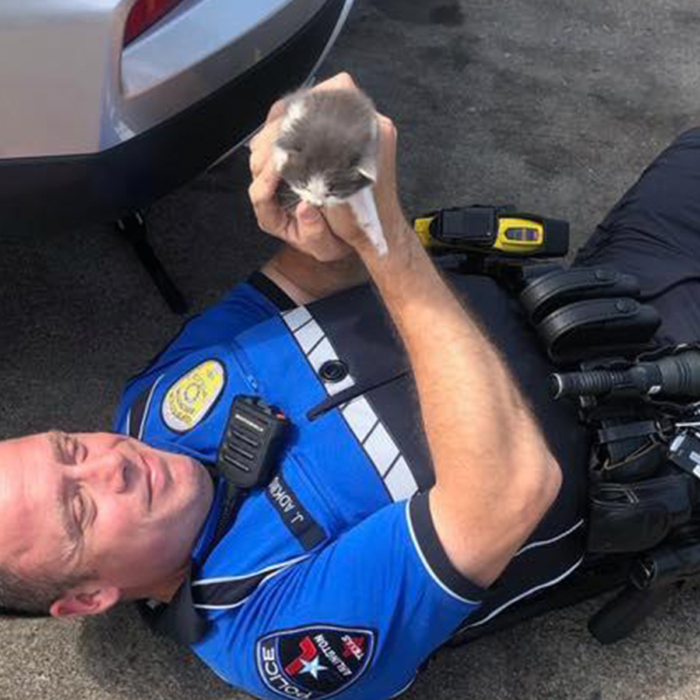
(56, 443)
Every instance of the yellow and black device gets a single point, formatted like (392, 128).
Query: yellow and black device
(489, 230)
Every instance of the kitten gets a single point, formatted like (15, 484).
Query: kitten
(327, 154)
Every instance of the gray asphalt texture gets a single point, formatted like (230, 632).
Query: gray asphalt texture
(555, 105)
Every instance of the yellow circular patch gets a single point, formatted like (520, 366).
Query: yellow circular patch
(191, 397)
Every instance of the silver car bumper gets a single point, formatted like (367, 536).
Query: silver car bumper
(75, 89)
(145, 162)
(169, 69)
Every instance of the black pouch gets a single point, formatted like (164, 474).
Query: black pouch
(642, 463)
(555, 289)
(597, 328)
(635, 517)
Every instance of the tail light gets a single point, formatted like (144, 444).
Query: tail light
(144, 14)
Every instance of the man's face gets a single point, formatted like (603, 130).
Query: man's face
(102, 504)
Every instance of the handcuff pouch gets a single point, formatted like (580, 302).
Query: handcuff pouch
(598, 328)
(637, 516)
(560, 287)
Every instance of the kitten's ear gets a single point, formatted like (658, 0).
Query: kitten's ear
(283, 152)
(368, 170)
(363, 182)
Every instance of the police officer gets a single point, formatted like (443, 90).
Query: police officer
(398, 498)
(342, 574)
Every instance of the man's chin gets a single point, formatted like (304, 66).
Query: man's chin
(196, 481)
(179, 483)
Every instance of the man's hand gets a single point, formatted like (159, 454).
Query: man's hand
(396, 229)
(330, 234)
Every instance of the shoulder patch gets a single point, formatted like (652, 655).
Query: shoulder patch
(192, 396)
(312, 662)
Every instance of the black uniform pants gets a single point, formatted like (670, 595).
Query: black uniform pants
(653, 232)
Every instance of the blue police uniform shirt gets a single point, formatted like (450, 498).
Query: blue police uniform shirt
(331, 581)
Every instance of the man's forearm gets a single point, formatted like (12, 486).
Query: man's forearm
(306, 279)
(483, 439)
(462, 381)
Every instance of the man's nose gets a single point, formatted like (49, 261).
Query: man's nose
(111, 470)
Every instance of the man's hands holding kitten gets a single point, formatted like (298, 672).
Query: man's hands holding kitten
(330, 235)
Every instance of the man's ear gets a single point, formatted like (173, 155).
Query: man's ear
(86, 600)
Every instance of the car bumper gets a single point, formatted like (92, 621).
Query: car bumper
(104, 186)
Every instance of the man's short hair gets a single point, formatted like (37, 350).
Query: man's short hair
(34, 596)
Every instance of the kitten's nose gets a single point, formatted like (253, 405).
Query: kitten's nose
(317, 191)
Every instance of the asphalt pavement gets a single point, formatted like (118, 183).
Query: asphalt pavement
(555, 105)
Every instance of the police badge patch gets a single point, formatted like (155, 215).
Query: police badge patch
(192, 396)
(314, 662)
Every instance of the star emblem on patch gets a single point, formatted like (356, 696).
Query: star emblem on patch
(313, 667)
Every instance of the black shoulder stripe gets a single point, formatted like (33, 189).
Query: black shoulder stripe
(269, 289)
(136, 412)
(227, 593)
(429, 545)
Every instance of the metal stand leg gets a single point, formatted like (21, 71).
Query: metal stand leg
(133, 228)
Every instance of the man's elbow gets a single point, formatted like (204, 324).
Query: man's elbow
(545, 483)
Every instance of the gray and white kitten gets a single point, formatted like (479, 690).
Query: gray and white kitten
(328, 145)
(327, 151)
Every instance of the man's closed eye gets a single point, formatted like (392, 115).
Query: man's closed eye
(80, 511)
(73, 450)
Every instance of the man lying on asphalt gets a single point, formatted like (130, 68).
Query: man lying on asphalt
(374, 539)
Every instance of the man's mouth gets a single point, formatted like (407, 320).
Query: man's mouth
(151, 480)
(157, 478)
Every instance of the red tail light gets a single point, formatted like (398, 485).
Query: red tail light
(144, 14)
